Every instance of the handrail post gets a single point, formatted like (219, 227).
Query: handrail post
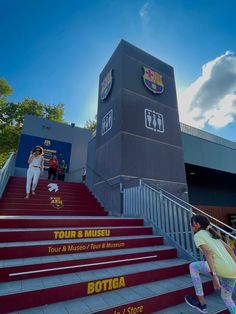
(121, 198)
(140, 183)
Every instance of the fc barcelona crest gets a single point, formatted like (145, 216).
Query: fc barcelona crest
(56, 202)
(47, 142)
(153, 81)
(106, 85)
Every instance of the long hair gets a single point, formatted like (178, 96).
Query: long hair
(204, 223)
(38, 148)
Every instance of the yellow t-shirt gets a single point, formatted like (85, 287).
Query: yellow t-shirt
(224, 263)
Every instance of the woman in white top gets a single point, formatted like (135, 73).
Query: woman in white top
(35, 162)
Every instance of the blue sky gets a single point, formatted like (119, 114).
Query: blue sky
(54, 50)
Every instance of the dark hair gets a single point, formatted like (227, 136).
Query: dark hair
(204, 222)
(38, 148)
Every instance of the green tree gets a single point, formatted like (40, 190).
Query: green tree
(12, 117)
(5, 88)
(91, 124)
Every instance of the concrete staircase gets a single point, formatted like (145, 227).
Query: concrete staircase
(69, 256)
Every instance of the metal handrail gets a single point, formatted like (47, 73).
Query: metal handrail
(168, 215)
(192, 206)
(101, 177)
(6, 172)
(77, 170)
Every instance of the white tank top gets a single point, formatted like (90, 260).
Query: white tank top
(36, 161)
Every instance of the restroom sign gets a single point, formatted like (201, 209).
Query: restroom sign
(154, 121)
(107, 122)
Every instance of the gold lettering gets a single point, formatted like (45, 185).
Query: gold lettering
(98, 286)
(54, 249)
(110, 287)
(96, 233)
(90, 289)
(61, 234)
(115, 283)
(56, 233)
(76, 248)
(88, 233)
(122, 282)
(80, 234)
(95, 246)
(105, 285)
(135, 309)
(105, 282)
(67, 234)
(110, 245)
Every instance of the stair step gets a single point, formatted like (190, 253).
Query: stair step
(45, 206)
(137, 299)
(14, 180)
(45, 188)
(50, 212)
(16, 269)
(41, 248)
(76, 256)
(214, 305)
(70, 261)
(63, 287)
(41, 194)
(46, 201)
(61, 221)
(34, 234)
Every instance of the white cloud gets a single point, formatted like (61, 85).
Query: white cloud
(211, 99)
(143, 12)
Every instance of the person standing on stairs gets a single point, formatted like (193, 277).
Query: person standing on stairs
(53, 165)
(36, 167)
(62, 170)
(83, 175)
(220, 264)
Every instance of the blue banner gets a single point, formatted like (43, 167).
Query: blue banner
(27, 142)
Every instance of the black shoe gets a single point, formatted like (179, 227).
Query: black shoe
(194, 302)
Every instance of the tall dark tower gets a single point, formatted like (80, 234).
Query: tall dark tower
(138, 131)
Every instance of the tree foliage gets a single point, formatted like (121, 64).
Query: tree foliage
(91, 124)
(12, 117)
(5, 88)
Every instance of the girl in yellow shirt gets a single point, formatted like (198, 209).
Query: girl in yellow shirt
(220, 264)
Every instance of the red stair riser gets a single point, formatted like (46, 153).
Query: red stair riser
(44, 185)
(68, 223)
(47, 206)
(67, 248)
(47, 200)
(25, 300)
(45, 189)
(157, 303)
(19, 236)
(45, 194)
(6, 271)
(41, 182)
(23, 179)
(55, 212)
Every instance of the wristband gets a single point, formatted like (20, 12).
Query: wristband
(213, 273)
